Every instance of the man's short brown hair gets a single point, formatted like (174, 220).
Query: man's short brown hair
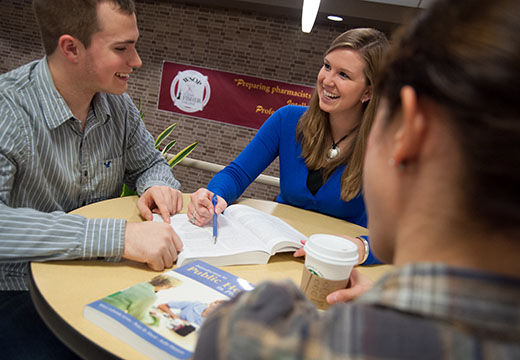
(77, 18)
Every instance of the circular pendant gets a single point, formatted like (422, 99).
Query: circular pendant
(333, 152)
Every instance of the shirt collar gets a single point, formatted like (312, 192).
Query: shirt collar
(434, 290)
(54, 107)
(101, 108)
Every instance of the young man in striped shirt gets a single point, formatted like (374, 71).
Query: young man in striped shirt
(70, 136)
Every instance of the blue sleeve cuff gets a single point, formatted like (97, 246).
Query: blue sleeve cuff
(371, 259)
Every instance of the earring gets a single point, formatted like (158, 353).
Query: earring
(401, 166)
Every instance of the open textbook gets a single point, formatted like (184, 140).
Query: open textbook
(245, 236)
(161, 317)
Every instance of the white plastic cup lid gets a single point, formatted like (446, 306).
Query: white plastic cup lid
(332, 249)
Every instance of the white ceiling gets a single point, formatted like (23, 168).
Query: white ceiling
(410, 3)
(384, 14)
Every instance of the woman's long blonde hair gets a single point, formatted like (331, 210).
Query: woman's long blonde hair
(313, 129)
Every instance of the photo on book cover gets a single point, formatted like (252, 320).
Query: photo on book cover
(165, 313)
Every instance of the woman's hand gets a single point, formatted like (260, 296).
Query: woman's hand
(301, 251)
(359, 243)
(200, 208)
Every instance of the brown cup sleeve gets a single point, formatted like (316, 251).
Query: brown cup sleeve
(316, 288)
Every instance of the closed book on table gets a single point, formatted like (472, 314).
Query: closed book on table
(161, 317)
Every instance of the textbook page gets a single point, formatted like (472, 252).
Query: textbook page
(232, 239)
(245, 236)
(276, 234)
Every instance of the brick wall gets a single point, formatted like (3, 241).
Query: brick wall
(239, 41)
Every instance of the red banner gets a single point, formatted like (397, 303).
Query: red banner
(222, 96)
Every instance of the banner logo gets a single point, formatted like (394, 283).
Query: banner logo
(235, 98)
(190, 91)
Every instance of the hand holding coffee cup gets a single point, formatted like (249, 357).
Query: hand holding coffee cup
(329, 261)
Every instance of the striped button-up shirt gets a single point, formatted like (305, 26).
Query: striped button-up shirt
(420, 311)
(49, 166)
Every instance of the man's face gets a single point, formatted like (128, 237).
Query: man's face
(379, 185)
(111, 56)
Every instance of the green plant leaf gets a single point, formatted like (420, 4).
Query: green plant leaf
(168, 147)
(182, 154)
(164, 135)
(126, 191)
(139, 107)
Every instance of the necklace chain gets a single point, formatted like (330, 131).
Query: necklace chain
(335, 144)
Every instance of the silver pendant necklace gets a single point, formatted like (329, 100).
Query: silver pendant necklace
(333, 152)
(334, 149)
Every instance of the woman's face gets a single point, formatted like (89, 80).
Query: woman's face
(379, 185)
(341, 82)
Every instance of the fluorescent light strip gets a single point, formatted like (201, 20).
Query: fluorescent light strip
(309, 12)
(334, 18)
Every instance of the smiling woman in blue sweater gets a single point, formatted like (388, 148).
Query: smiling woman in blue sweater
(320, 148)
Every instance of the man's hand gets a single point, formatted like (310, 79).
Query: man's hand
(162, 200)
(154, 243)
(358, 285)
(200, 208)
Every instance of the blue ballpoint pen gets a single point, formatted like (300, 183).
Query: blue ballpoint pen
(214, 200)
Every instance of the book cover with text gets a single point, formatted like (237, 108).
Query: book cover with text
(161, 317)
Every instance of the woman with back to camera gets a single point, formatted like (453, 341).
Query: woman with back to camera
(320, 148)
(440, 181)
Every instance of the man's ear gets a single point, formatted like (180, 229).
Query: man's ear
(410, 135)
(69, 46)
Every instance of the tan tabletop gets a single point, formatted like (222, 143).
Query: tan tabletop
(67, 286)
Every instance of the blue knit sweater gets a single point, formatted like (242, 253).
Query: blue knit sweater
(277, 137)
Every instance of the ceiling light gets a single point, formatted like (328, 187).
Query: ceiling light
(335, 18)
(309, 12)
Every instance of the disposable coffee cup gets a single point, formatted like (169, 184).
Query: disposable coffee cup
(329, 261)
